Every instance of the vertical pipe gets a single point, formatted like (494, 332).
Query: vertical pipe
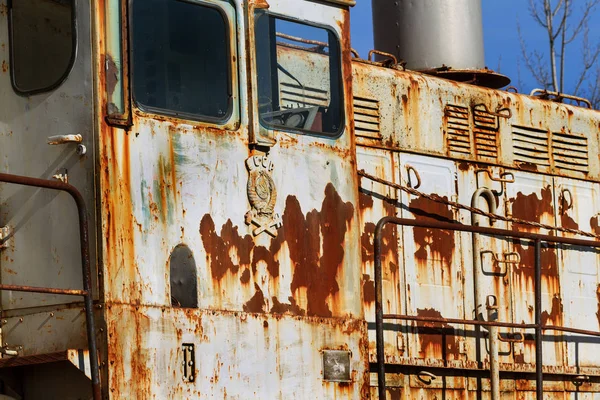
(539, 377)
(492, 309)
(379, 310)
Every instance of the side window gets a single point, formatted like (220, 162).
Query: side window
(299, 76)
(42, 43)
(180, 58)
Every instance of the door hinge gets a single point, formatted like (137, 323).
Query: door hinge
(189, 362)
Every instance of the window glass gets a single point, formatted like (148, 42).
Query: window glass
(180, 56)
(42, 43)
(299, 79)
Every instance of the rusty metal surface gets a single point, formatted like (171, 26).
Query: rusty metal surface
(238, 354)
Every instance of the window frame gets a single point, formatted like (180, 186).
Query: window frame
(231, 118)
(68, 70)
(342, 106)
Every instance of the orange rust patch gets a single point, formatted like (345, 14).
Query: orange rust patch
(245, 278)
(368, 289)
(262, 254)
(218, 247)
(555, 315)
(257, 303)
(440, 243)
(365, 201)
(565, 220)
(532, 208)
(437, 339)
(598, 297)
(4, 66)
(317, 274)
(595, 224)
(280, 308)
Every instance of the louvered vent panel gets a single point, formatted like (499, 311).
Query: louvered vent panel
(570, 152)
(367, 118)
(485, 132)
(294, 96)
(530, 146)
(458, 136)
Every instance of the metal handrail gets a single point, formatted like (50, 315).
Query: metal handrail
(85, 264)
(537, 326)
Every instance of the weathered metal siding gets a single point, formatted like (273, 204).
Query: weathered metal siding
(267, 306)
(453, 139)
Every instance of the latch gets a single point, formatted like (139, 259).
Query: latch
(189, 362)
(5, 235)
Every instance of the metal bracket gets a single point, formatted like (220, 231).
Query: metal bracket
(5, 235)
(189, 362)
(508, 258)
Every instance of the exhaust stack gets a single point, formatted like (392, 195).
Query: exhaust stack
(440, 37)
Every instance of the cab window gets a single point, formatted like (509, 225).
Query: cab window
(42, 43)
(180, 59)
(299, 76)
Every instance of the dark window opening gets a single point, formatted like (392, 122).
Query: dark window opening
(180, 57)
(299, 76)
(42, 43)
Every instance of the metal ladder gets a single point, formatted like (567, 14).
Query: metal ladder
(86, 293)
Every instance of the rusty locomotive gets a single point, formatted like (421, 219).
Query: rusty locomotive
(222, 199)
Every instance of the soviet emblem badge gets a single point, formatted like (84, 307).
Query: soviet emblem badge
(262, 195)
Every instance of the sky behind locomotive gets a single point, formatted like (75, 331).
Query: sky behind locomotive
(502, 47)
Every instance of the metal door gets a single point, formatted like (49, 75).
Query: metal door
(43, 244)
(531, 198)
(578, 208)
(432, 259)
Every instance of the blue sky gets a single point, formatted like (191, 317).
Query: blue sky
(502, 47)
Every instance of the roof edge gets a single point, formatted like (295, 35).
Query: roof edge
(347, 3)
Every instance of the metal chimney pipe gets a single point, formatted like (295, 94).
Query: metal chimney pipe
(430, 34)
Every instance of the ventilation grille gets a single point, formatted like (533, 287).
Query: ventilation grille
(294, 96)
(530, 146)
(367, 118)
(570, 152)
(458, 134)
(485, 131)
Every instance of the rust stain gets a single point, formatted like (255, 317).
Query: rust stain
(257, 303)
(245, 278)
(263, 254)
(218, 247)
(4, 66)
(598, 297)
(291, 308)
(368, 289)
(316, 248)
(595, 224)
(565, 219)
(554, 317)
(365, 201)
(440, 243)
(112, 75)
(437, 339)
(531, 207)
(314, 271)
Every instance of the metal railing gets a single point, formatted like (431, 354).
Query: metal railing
(86, 293)
(537, 240)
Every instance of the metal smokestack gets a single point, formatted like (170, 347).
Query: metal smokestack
(444, 37)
